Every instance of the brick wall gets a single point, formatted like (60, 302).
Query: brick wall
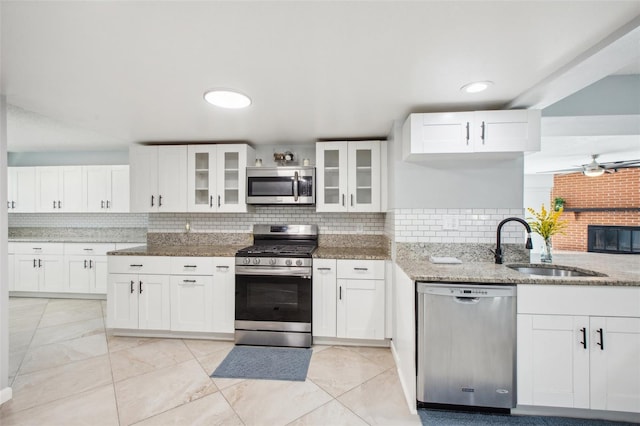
(611, 190)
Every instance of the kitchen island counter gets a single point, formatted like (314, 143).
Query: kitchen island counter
(621, 270)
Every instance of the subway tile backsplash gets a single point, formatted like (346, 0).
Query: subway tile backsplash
(407, 225)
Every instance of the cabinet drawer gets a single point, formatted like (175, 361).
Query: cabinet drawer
(191, 266)
(92, 249)
(361, 269)
(37, 248)
(139, 265)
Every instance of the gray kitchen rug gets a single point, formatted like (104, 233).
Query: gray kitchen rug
(264, 362)
(456, 418)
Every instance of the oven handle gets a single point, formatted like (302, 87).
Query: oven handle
(304, 272)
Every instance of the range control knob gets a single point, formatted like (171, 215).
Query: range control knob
(246, 260)
(288, 262)
(299, 262)
(272, 261)
(256, 260)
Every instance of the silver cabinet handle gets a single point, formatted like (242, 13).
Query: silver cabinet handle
(467, 133)
(360, 269)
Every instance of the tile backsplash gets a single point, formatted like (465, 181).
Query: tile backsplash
(455, 226)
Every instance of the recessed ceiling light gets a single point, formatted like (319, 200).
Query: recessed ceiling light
(476, 86)
(225, 98)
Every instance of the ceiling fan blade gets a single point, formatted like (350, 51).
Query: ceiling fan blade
(621, 164)
(562, 171)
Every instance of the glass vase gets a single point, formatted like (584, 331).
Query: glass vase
(545, 254)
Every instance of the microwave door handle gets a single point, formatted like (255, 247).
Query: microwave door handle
(295, 186)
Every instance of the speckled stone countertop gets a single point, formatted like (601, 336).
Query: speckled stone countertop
(79, 235)
(223, 250)
(621, 270)
(358, 253)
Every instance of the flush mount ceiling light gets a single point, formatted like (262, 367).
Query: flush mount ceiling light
(225, 98)
(476, 86)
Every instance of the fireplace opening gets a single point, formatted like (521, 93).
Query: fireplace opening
(613, 239)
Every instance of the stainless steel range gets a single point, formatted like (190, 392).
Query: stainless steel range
(273, 286)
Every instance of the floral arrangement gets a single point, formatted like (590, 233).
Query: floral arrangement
(546, 223)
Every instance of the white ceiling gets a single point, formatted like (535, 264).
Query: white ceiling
(100, 75)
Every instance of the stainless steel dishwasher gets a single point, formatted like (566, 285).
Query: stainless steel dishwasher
(466, 349)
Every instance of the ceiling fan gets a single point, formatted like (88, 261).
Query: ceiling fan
(594, 169)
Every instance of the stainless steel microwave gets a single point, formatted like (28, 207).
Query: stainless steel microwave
(281, 185)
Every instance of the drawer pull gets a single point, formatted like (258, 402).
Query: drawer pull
(324, 269)
(222, 266)
(37, 248)
(190, 266)
(88, 249)
(136, 266)
(189, 281)
(360, 269)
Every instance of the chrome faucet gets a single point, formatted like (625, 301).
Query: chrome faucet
(528, 245)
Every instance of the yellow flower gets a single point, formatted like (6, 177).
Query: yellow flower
(546, 223)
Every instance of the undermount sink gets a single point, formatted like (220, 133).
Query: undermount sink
(554, 270)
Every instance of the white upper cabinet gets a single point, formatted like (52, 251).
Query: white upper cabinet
(59, 189)
(107, 188)
(21, 189)
(216, 177)
(472, 132)
(158, 178)
(348, 175)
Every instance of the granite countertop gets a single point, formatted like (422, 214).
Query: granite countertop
(78, 235)
(621, 270)
(223, 250)
(357, 253)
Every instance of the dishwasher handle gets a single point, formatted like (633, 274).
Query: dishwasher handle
(467, 300)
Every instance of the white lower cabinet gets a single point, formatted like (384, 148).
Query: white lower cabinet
(138, 301)
(86, 267)
(588, 359)
(38, 267)
(191, 303)
(355, 307)
(224, 294)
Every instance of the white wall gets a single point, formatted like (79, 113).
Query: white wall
(68, 158)
(5, 390)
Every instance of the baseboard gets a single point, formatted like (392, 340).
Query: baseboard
(167, 334)
(405, 389)
(578, 413)
(55, 295)
(5, 395)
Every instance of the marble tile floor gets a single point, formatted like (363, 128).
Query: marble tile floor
(66, 370)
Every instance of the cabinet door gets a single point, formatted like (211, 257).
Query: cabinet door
(48, 189)
(52, 277)
(224, 285)
(615, 364)
(201, 179)
(172, 178)
(72, 189)
(506, 131)
(143, 169)
(22, 189)
(118, 189)
(191, 303)
(231, 169)
(332, 177)
(122, 301)
(324, 297)
(97, 188)
(154, 302)
(99, 274)
(364, 176)
(553, 360)
(445, 133)
(360, 310)
(78, 274)
(27, 275)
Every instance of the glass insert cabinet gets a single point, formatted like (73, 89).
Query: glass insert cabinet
(349, 176)
(216, 175)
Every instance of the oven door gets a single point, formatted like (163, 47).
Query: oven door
(277, 302)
